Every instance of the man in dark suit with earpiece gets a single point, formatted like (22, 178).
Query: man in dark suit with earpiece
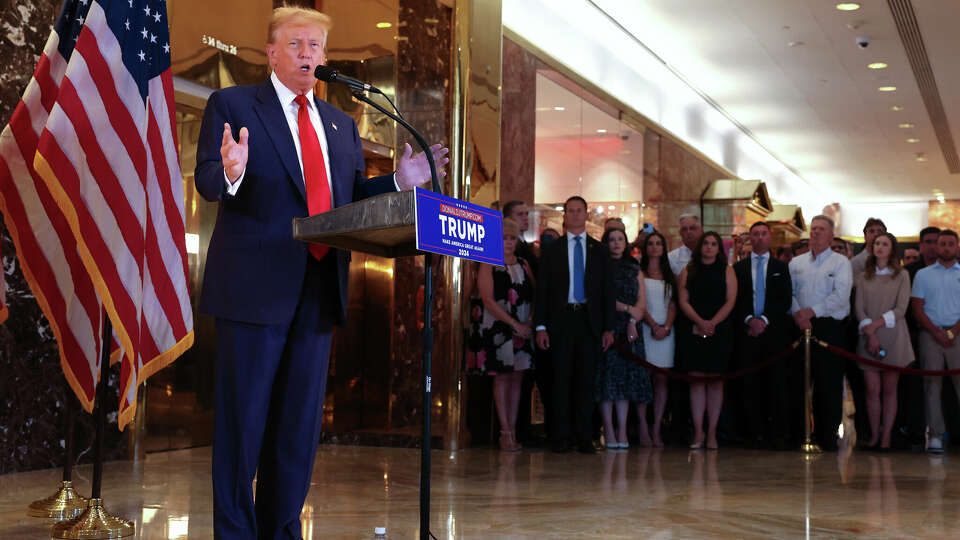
(762, 316)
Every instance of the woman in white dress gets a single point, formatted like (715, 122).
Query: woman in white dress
(658, 335)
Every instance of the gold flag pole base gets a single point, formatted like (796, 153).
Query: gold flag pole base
(93, 523)
(66, 503)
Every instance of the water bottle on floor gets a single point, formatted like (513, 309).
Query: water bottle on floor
(380, 533)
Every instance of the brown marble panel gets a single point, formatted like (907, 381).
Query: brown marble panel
(32, 391)
(945, 215)
(674, 178)
(518, 123)
(423, 94)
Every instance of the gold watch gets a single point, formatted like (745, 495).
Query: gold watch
(950, 335)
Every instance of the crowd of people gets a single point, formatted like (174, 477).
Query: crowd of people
(603, 325)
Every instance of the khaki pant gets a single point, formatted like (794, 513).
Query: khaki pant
(933, 356)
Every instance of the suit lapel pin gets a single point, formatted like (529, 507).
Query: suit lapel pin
(334, 126)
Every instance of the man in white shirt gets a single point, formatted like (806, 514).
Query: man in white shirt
(821, 281)
(936, 307)
(690, 233)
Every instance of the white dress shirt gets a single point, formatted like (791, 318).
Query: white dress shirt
(291, 110)
(679, 258)
(571, 244)
(889, 317)
(822, 283)
(765, 258)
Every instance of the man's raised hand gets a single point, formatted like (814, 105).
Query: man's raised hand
(413, 170)
(234, 154)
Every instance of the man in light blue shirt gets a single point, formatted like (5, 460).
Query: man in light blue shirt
(936, 307)
(821, 281)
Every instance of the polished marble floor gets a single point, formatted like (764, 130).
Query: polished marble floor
(481, 493)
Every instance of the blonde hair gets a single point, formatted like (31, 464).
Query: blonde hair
(297, 15)
(511, 227)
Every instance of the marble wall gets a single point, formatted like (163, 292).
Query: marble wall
(674, 178)
(945, 215)
(32, 389)
(518, 123)
(423, 94)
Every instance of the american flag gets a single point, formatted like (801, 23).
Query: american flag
(97, 126)
(3, 290)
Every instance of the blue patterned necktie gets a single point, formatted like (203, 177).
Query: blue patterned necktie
(578, 292)
(759, 296)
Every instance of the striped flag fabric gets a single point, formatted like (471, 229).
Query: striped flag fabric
(42, 237)
(107, 156)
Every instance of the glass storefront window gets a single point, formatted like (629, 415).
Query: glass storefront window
(584, 148)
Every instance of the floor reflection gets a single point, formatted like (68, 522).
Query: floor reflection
(642, 493)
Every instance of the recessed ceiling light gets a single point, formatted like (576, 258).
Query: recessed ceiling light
(912, 140)
(920, 156)
(877, 65)
(887, 89)
(601, 131)
(905, 125)
(848, 6)
(795, 43)
(384, 25)
(559, 108)
(896, 108)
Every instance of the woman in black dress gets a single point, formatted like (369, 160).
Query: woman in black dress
(707, 293)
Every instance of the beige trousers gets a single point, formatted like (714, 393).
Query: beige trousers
(933, 356)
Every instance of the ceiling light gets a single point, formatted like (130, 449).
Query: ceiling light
(644, 205)
(887, 89)
(848, 6)
(896, 107)
(795, 43)
(384, 25)
(611, 207)
(941, 198)
(599, 209)
(634, 205)
(601, 131)
(913, 140)
(877, 65)
(559, 108)
(905, 125)
(920, 156)
(558, 208)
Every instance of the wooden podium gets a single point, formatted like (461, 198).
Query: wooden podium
(383, 225)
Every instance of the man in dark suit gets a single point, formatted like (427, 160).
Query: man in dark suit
(275, 299)
(574, 316)
(764, 293)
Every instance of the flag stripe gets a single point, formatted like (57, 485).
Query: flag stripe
(53, 218)
(124, 125)
(61, 176)
(39, 271)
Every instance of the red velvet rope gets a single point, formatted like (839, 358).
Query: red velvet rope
(877, 364)
(623, 348)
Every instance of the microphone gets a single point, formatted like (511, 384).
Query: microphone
(331, 75)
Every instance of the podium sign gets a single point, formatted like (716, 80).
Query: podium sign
(449, 226)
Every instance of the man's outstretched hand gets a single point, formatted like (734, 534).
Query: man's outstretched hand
(414, 171)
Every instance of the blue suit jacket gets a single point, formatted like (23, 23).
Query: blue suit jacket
(255, 269)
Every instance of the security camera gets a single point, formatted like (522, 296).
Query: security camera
(863, 42)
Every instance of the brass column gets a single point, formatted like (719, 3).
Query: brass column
(474, 162)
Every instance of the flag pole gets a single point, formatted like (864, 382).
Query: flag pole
(66, 503)
(95, 522)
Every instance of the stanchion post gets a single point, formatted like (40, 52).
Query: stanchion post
(95, 522)
(66, 503)
(808, 446)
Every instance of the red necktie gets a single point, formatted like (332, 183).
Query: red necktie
(314, 171)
